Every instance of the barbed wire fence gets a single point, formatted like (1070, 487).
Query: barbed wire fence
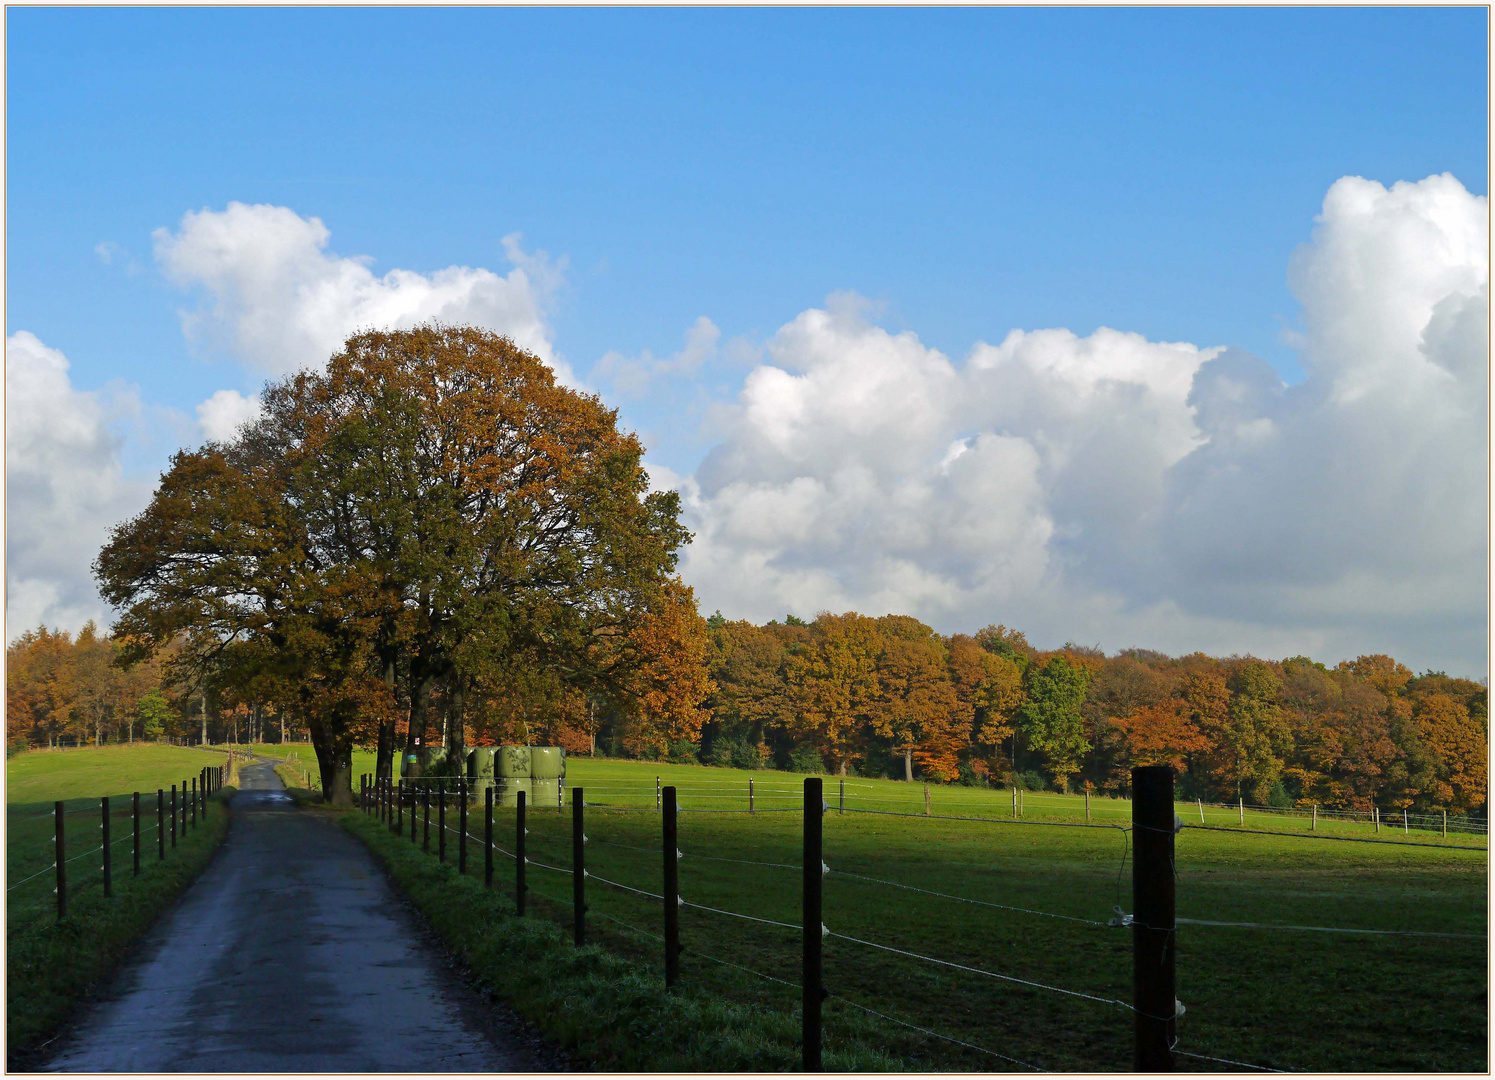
(1148, 842)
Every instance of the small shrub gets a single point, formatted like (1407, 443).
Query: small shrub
(1031, 780)
(806, 759)
(684, 752)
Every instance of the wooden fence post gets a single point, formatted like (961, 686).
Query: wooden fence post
(519, 856)
(1314, 827)
(462, 823)
(657, 795)
(841, 806)
(1152, 918)
(1241, 806)
(811, 976)
(578, 867)
(671, 889)
(750, 795)
(108, 860)
(488, 837)
(1445, 824)
(1087, 802)
(59, 825)
(1406, 821)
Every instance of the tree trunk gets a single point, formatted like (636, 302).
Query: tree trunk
(334, 752)
(908, 765)
(282, 715)
(420, 707)
(203, 699)
(456, 716)
(385, 753)
(841, 768)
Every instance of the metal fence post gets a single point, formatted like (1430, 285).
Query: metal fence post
(841, 806)
(750, 795)
(519, 857)
(135, 814)
(812, 983)
(488, 837)
(59, 824)
(578, 867)
(462, 822)
(160, 825)
(1241, 807)
(108, 861)
(671, 889)
(1152, 919)
(926, 800)
(657, 796)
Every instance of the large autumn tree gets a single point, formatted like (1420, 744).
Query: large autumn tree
(432, 507)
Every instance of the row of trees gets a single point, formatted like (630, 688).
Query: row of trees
(62, 690)
(889, 696)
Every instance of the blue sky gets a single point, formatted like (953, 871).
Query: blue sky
(969, 172)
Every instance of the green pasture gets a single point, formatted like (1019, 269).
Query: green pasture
(41, 776)
(35, 780)
(1299, 999)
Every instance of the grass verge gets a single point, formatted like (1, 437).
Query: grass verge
(611, 1009)
(52, 966)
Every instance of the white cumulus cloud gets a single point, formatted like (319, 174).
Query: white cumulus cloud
(1112, 488)
(64, 487)
(221, 415)
(276, 299)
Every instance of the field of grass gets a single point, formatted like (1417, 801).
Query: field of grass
(50, 964)
(1300, 999)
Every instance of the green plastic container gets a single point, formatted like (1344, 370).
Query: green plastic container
(480, 762)
(513, 761)
(547, 762)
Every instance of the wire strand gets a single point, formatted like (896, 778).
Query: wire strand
(936, 1034)
(1227, 1061)
(1338, 839)
(737, 915)
(981, 971)
(989, 821)
(967, 900)
(619, 885)
(38, 874)
(1331, 929)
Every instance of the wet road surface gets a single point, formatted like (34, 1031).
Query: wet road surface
(291, 953)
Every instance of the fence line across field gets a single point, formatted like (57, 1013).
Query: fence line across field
(1154, 921)
(108, 811)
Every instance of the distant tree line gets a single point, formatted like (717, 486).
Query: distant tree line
(66, 690)
(890, 697)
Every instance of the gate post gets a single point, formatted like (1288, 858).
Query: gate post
(671, 890)
(812, 982)
(578, 867)
(1152, 919)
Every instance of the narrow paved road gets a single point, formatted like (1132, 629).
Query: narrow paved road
(291, 954)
